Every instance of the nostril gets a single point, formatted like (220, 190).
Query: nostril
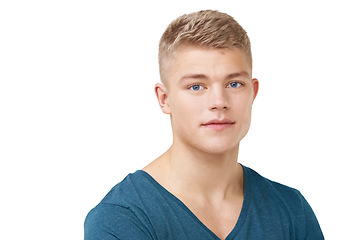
(220, 108)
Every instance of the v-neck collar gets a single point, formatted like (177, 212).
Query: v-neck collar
(242, 215)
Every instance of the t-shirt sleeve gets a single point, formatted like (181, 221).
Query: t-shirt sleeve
(112, 222)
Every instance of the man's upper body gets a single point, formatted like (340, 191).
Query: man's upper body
(208, 91)
(140, 208)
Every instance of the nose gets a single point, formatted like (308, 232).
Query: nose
(218, 99)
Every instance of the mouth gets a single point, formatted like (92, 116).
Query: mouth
(217, 124)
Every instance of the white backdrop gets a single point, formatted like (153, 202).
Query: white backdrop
(78, 111)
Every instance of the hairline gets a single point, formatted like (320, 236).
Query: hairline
(171, 54)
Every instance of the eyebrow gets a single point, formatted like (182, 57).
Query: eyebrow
(238, 74)
(205, 77)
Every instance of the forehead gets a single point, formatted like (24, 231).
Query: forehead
(216, 63)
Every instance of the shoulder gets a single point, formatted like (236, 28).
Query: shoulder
(128, 191)
(278, 194)
(285, 200)
(266, 186)
(120, 215)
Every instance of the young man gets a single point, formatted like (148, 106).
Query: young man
(197, 189)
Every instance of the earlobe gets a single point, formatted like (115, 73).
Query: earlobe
(255, 83)
(162, 97)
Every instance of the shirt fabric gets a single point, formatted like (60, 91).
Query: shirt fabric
(140, 208)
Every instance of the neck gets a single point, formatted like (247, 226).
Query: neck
(203, 175)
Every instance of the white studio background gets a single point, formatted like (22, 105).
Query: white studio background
(78, 111)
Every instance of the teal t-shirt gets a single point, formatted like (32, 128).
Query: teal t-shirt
(140, 208)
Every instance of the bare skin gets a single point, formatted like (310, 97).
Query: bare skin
(209, 96)
(215, 197)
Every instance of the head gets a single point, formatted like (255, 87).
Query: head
(208, 28)
(206, 70)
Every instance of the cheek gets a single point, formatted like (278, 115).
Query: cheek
(242, 108)
(182, 105)
(185, 113)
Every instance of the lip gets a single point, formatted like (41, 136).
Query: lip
(219, 124)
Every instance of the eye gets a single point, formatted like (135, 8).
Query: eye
(195, 87)
(235, 85)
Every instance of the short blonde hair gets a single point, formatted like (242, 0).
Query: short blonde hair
(206, 28)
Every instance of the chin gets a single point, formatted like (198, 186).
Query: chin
(219, 149)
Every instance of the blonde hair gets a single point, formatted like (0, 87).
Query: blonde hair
(206, 28)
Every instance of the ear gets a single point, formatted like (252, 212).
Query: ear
(255, 84)
(162, 97)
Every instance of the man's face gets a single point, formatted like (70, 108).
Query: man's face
(209, 97)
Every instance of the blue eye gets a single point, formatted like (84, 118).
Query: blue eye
(235, 85)
(195, 87)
